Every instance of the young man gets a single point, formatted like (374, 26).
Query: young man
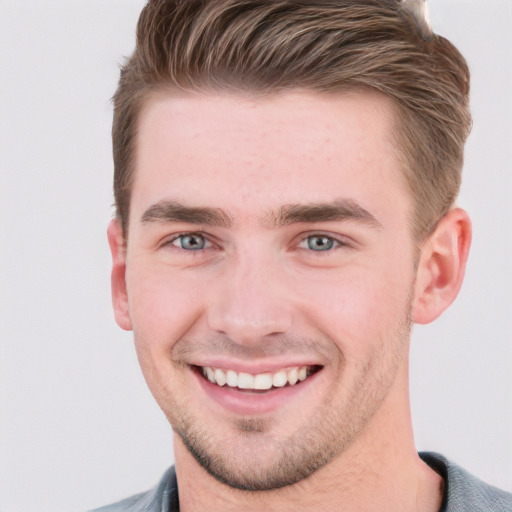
(285, 177)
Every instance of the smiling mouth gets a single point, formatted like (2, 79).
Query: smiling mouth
(242, 381)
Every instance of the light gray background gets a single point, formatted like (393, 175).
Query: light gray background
(78, 427)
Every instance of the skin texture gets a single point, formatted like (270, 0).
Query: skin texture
(258, 295)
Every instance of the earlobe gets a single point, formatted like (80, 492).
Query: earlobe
(118, 277)
(441, 266)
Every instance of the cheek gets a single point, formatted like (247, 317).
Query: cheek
(163, 307)
(359, 310)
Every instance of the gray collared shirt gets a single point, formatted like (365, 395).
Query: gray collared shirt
(463, 492)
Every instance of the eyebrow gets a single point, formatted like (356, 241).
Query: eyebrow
(172, 211)
(341, 210)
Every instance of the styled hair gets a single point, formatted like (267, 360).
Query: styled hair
(265, 47)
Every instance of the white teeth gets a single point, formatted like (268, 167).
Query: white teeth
(293, 376)
(261, 381)
(245, 381)
(232, 378)
(210, 375)
(279, 379)
(220, 377)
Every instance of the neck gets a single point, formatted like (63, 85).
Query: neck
(380, 470)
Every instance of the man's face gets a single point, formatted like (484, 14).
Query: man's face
(269, 244)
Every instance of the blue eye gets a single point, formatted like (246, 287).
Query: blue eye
(320, 243)
(190, 242)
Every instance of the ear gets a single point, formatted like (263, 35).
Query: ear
(441, 266)
(118, 277)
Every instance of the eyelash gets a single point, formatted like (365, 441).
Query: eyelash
(337, 243)
(192, 234)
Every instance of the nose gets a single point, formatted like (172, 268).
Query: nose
(249, 302)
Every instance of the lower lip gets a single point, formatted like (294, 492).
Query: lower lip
(247, 403)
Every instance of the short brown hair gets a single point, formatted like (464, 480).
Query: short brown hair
(264, 46)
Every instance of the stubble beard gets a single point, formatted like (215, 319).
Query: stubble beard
(267, 462)
(252, 456)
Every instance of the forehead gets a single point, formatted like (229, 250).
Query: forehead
(262, 153)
